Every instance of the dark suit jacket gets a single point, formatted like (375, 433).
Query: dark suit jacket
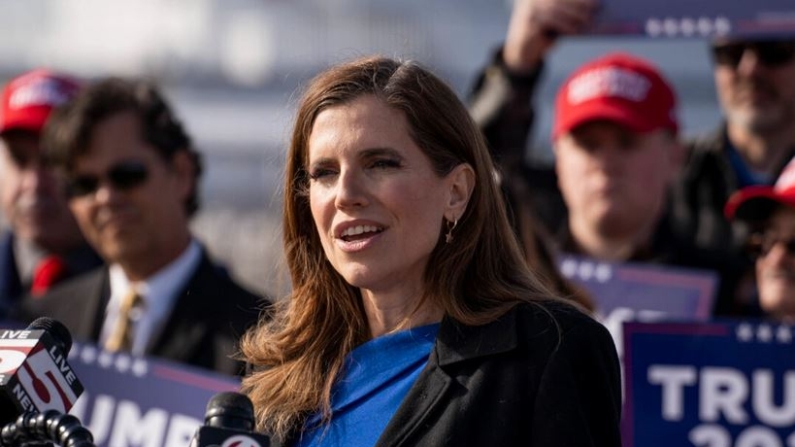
(79, 261)
(536, 377)
(207, 319)
(10, 282)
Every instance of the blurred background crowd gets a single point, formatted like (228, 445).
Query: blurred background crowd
(144, 147)
(231, 70)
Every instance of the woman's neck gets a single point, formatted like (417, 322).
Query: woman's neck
(388, 313)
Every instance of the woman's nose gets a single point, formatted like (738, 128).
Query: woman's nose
(351, 189)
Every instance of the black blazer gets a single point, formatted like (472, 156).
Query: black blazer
(79, 260)
(540, 376)
(208, 318)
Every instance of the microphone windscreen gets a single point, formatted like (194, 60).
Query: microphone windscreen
(229, 421)
(34, 373)
(57, 331)
(230, 410)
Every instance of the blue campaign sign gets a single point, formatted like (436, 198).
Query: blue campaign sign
(664, 291)
(696, 18)
(718, 384)
(140, 401)
(641, 292)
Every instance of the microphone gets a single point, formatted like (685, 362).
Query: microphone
(229, 422)
(34, 373)
(40, 429)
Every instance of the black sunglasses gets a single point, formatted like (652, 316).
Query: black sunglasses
(122, 176)
(760, 244)
(771, 53)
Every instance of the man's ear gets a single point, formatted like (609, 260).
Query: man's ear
(677, 154)
(461, 182)
(555, 164)
(184, 169)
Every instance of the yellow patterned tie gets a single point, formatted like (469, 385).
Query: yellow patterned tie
(121, 339)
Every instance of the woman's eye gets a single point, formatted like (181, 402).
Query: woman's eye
(319, 173)
(385, 164)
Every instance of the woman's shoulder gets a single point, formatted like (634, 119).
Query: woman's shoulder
(558, 322)
(537, 330)
(553, 310)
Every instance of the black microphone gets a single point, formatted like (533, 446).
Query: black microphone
(34, 373)
(229, 422)
(41, 429)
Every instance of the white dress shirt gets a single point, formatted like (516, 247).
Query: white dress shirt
(159, 293)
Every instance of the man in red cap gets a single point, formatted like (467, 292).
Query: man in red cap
(770, 212)
(502, 104)
(616, 155)
(753, 79)
(44, 244)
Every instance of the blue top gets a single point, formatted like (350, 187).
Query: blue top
(745, 175)
(377, 376)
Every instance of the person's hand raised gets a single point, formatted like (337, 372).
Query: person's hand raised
(536, 24)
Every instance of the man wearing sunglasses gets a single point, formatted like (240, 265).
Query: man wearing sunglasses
(770, 212)
(755, 81)
(132, 183)
(44, 245)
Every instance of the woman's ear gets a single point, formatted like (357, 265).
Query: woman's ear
(461, 181)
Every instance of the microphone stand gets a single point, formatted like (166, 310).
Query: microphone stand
(44, 428)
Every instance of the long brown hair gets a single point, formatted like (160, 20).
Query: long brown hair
(300, 352)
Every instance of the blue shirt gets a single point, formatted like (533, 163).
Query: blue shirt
(377, 376)
(745, 175)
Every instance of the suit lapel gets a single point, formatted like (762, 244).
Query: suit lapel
(186, 328)
(426, 394)
(10, 284)
(455, 343)
(96, 304)
(80, 305)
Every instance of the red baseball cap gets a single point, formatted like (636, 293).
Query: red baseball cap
(28, 99)
(755, 203)
(617, 87)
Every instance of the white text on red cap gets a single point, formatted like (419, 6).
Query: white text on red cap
(45, 92)
(608, 81)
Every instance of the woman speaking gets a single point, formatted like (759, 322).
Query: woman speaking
(413, 318)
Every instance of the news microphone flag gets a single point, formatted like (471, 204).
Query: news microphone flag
(34, 373)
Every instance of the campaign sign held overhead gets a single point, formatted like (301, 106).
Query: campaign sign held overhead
(696, 18)
(718, 384)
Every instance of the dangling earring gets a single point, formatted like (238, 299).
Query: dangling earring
(450, 226)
